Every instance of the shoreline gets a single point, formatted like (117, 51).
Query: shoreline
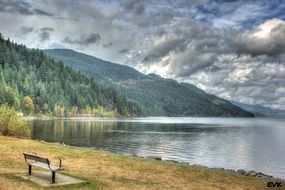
(28, 118)
(123, 118)
(239, 172)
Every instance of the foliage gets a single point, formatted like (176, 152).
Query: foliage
(36, 84)
(157, 96)
(28, 105)
(11, 124)
(8, 95)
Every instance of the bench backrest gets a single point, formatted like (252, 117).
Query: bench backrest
(37, 158)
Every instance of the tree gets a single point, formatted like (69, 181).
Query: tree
(73, 110)
(58, 110)
(11, 124)
(12, 98)
(28, 105)
(46, 108)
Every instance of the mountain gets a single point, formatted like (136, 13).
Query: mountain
(261, 111)
(157, 96)
(93, 67)
(34, 83)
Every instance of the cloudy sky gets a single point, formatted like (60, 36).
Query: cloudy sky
(231, 48)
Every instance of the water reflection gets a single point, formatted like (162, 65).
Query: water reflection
(248, 144)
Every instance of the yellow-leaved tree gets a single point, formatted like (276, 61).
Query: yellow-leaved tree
(29, 106)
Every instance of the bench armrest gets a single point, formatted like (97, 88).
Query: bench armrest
(60, 161)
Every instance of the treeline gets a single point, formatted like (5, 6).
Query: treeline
(33, 83)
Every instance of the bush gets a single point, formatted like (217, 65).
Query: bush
(11, 124)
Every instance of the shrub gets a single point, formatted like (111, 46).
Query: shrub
(11, 124)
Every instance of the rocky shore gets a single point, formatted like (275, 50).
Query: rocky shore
(239, 172)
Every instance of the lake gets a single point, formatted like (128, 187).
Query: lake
(233, 143)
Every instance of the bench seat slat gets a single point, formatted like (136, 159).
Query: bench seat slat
(45, 166)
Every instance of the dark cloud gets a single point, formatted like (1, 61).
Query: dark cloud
(143, 14)
(139, 9)
(47, 29)
(25, 30)
(107, 45)
(163, 48)
(44, 36)
(124, 51)
(44, 33)
(21, 7)
(93, 38)
(154, 18)
(132, 5)
(191, 62)
(42, 12)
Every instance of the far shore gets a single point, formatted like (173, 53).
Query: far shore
(155, 119)
(69, 117)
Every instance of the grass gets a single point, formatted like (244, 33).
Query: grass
(105, 170)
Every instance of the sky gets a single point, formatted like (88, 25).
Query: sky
(234, 49)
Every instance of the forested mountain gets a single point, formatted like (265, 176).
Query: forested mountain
(157, 96)
(98, 69)
(34, 83)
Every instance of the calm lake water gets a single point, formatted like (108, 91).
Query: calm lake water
(251, 144)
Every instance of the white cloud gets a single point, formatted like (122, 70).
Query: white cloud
(267, 38)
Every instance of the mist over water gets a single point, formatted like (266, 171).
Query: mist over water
(234, 143)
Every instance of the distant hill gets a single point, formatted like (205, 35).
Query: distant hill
(261, 111)
(95, 68)
(34, 83)
(157, 96)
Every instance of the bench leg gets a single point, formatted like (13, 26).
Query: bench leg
(30, 170)
(53, 177)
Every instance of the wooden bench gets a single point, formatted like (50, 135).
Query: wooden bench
(33, 159)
